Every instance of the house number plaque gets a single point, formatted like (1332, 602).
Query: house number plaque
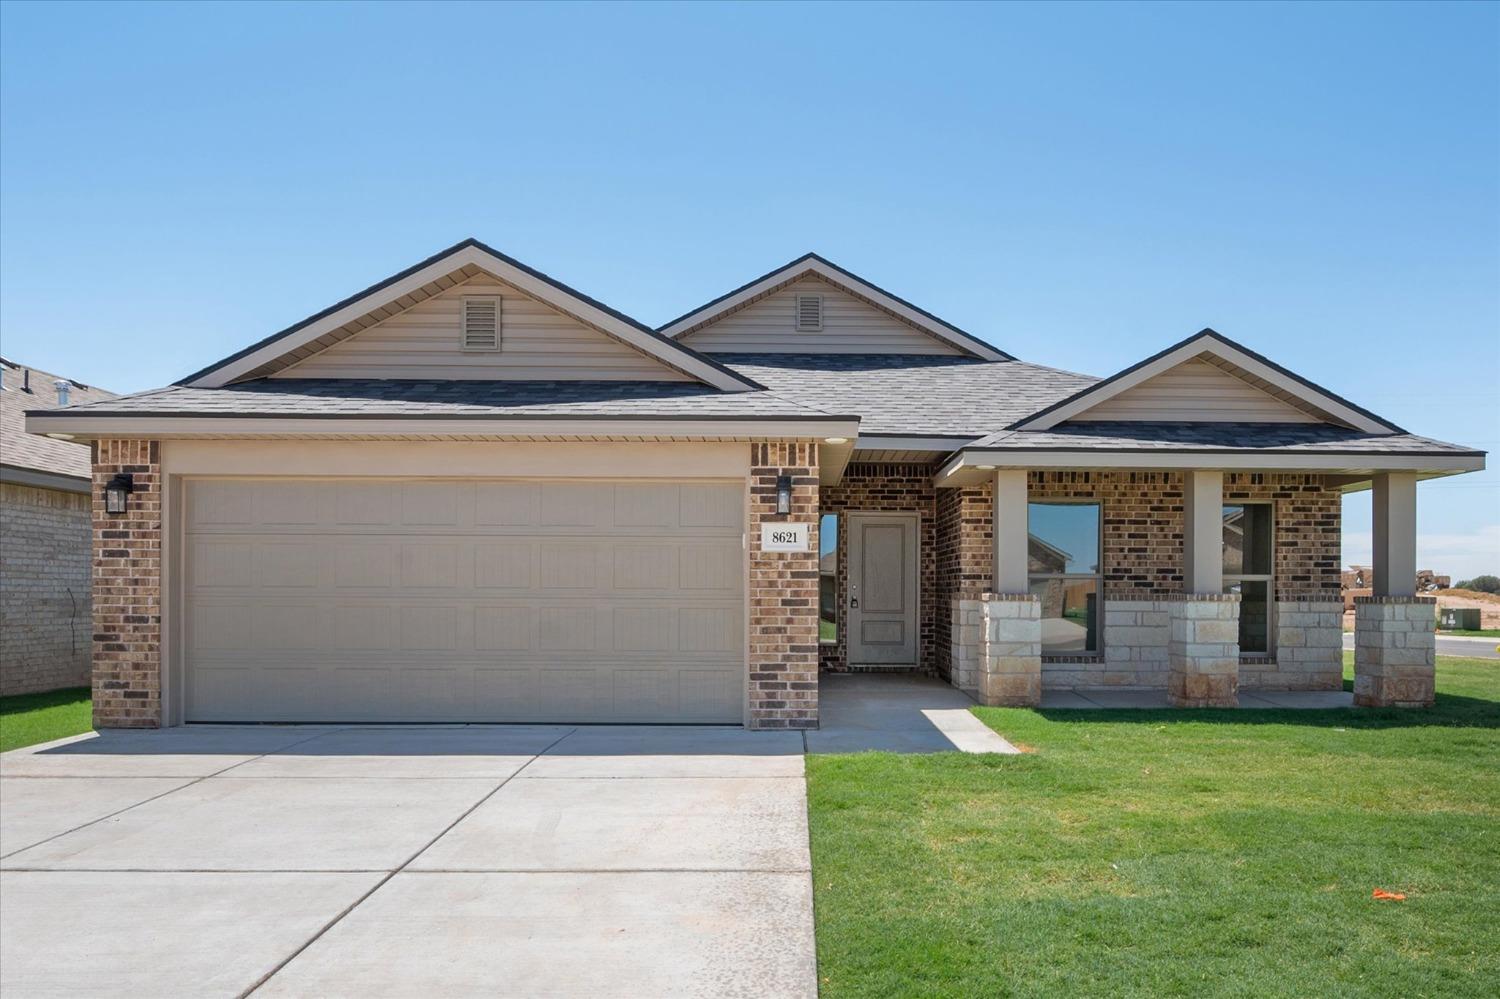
(781, 537)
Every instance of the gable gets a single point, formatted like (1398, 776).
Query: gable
(1196, 391)
(1207, 378)
(537, 342)
(851, 325)
(460, 263)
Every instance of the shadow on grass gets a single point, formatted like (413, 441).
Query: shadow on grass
(1450, 711)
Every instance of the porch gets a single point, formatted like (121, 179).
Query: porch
(1099, 587)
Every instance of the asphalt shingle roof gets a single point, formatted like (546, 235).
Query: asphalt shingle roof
(912, 394)
(43, 454)
(353, 397)
(1294, 437)
(890, 394)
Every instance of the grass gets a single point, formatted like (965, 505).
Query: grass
(1471, 632)
(827, 631)
(1172, 853)
(27, 719)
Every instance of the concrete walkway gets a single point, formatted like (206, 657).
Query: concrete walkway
(453, 861)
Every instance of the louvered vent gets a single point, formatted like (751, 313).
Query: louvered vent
(481, 324)
(809, 312)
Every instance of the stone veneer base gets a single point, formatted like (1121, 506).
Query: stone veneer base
(1204, 651)
(1394, 652)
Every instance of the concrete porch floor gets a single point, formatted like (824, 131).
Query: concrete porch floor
(1101, 699)
(898, 713)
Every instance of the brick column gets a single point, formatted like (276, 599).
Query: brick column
(783, 677)
(1394, 652)
(1203, 649)
(1011, 659)
(127, 589)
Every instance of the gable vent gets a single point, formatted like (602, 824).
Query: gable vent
(809, 313)
(481, 324)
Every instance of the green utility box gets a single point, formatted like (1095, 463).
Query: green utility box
(1459, 619)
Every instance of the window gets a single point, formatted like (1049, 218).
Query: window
(1247, 571)
(828, 578)
(481, 324)
(809, 313)
(1062, 547)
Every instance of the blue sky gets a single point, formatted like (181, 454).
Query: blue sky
(1080, 185)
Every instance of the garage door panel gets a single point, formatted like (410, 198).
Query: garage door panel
(347, 600)
(429, 565)
(363, 565)
(509, 566)
(359, 504)
(569, 504)
(430, 504)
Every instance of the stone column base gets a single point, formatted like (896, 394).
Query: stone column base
(1011, 658)
(966, 643)
(1203, 649)
(1394, 652)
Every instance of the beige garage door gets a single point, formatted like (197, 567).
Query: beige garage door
(424, 600)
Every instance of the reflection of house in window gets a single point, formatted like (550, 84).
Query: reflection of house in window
(1065, 583)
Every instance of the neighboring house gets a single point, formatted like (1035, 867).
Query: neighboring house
(46, 634)
(472, 493)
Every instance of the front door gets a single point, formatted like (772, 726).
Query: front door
(882, 598)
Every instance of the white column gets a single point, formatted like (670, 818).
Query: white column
(1010, 531)
(1203, 532)
(1395, 509)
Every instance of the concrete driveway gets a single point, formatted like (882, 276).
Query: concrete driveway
(455, 861)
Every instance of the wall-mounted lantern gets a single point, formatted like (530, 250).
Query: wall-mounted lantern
(783, 494)
(116, 494)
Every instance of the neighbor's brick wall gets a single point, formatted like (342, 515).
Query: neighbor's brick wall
(885, 488)
(964, 533)
(45, 620)
(783, 668)
(127, 589)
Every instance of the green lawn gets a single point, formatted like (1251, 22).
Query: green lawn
(1471, 632)
(1172, 852)
(27, 719)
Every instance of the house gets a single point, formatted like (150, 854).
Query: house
(473, 493)
(46, 635)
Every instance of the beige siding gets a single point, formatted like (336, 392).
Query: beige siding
(850, 326)
(537, 342)
(1199, 392)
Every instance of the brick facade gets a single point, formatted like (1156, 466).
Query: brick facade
(1142, 541)
(45, 599)
(127, 589)
(964, 538)
(783, 592)
(885, 488)
(1142, 525)
(1308, 524)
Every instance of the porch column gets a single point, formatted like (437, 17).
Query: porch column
(1010, 656)
(1203, 532)
(1011, 556)
(1394, 652)
(1203, 647)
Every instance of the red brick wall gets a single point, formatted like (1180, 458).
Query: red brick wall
(1142, 534)
(964, 563)
(127, 589)
(1142, 525)
(1308, 520)
(783, 592)
(886, 488)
